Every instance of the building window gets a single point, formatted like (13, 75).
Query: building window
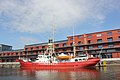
(81, 48)
(98, 35)
(109, 55)
(109, 33)
(4, 54)
(110, 39)
(119, 38)
(8, 54)
(31, 48)
(79, 36)
(12, 53)
(110, 45)
(118, 32)
(111, 50)
(64, 45)
(89, 36)
(64, 50)
(99, 40)
(20, 53)
(26, 48)
(31, 53)
(16, 53)
(100, 46)
(71, 44)
(71, 38)
(90, 47)
(89, 41)
(37, 47)
(57, 45)
(71, 49)
(79, 43)
(43, 47)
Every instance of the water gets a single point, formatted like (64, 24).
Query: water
(103, 73)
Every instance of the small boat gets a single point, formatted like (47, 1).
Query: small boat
(64, 56)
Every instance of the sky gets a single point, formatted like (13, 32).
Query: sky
(24, 22)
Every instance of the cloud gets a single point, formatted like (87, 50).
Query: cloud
(27, 40)
(36, 16)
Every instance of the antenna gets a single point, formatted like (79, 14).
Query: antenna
(53, 32)
(74, 52)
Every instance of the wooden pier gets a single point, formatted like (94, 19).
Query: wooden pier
(9, 64)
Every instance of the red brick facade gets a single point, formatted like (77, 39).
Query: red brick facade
(106, 42)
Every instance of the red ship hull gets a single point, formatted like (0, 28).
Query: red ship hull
(60, 65)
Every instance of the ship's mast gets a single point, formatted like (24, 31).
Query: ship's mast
(74, 50)
(51, 41)
(53, 29)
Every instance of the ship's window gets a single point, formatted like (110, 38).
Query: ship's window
(79, 59)
(76, 60)
(83, 59)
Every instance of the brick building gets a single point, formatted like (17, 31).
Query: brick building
(105, 42)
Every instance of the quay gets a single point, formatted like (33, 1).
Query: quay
(102, 63)
(109, 62)
(9, 64)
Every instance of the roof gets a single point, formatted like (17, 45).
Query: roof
(5, 45)
(46, 43)
(96, 32)
(17, 50)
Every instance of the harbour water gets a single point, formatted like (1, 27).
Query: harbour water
(102, 73)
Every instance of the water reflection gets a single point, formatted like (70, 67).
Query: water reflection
(102, 73)
(71, 74)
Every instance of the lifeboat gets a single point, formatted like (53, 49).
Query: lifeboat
(63, 56)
